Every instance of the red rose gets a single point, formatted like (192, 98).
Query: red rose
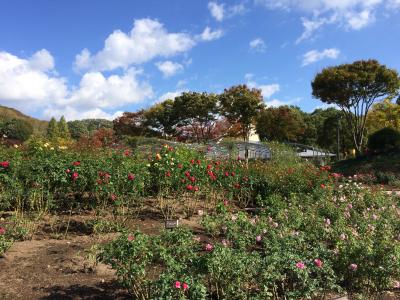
(5, 164)
(131, 176)
(74, 176)
(189, 187)
(76, 163)
(185, 286)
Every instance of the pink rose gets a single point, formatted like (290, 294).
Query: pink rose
(318, 263)
(208, 247)
(258, 238)
(300, 265)
(2, 230)
(177, 284)
(131, 237)
(353, 267)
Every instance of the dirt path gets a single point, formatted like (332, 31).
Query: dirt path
(55, 269)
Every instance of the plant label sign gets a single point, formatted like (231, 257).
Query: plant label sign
(170, 224)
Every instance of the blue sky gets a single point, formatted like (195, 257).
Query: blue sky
(86, 59)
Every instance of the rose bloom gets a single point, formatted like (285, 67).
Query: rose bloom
(2, 230)
(189, 187)
(131, 176)
(185, 286)
(177, 284)
(74, 176)
(300, 265)
(318, 263)
(76, 163)
(5, 164)
(258, 238)
(131, 237)
(353, 267)
(208, 247)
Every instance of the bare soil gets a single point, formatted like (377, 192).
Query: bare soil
(51, 265)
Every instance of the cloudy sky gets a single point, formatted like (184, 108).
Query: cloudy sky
(89, 59)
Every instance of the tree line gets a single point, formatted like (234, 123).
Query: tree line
(353, 89)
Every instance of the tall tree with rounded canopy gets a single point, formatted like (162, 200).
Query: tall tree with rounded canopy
(199, 112)
(241, 104)
(162, 118)
(354, 88)
(283, 124)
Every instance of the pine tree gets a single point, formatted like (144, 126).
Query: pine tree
(63, 130)
(52, 129)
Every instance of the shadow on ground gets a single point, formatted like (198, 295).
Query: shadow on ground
(106, 291)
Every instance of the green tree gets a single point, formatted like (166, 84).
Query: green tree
(63, 130)
(241, 105)
(199, 112)
(77, 129)
(52, 129)
(383, 114)
(162, 117)
(283, 124)
(17, 129)
(354, 88)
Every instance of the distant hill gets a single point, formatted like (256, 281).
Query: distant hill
(7, 113)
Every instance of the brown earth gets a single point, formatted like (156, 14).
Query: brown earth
(52, 266)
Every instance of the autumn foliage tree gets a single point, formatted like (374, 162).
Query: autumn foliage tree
(354, 88)
(197, 114)
(130, 123)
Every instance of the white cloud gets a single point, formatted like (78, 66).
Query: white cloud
(220, 11)
(216, 10)
(148, 39)
(238, 9)
(209, 35)
(359, 20)
(31, 85)
(27, 83)
(267, 90)
(170, 95)
(257, 45)
(42, 60)
(350, 14)
(315, 55)
(96, 90)
(393, 4)
(71, 113)
(275, 103)
(169, 68)
(310, 26)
